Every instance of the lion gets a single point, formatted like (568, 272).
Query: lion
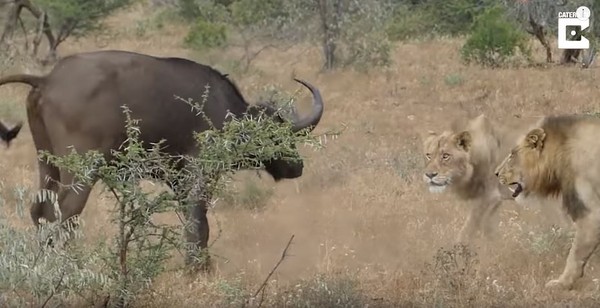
(463, 160)
(559, 157)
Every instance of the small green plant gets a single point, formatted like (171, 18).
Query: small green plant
(555, 239)
(409, 22)
(453, 272)
(249, 196)
(205, 34)
(494, 40)
(233, 290)
(454, 80)
(406, 163)
(454, 17)
(325, 291)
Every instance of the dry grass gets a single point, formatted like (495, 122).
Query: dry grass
(362, 219)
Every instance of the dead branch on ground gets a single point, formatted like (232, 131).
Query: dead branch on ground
(263, 286)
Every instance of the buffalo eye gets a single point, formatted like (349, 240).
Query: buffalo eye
(446, 156)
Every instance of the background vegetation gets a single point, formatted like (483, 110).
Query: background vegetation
(363, 230)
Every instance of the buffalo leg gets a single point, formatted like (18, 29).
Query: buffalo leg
(196, 226)
(197, 234)
(72, 201)
(49, 175)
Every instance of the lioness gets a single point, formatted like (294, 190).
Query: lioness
(463, 159)
(559, 157)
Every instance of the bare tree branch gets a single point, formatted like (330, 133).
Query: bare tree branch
(37, 13)
(24, 32)
(39, 33)
(539, 31)
(11, 23)
(284, 254)
(588, 57)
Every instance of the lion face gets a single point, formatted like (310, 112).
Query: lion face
(447, 160)
(515, 169)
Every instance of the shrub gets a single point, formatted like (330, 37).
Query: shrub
(336, 290)
(409, 22)
(358, 35)
(33, 273)
(255, 12)
(205, 34)
(190, 10)
(454, 17)
(494, 40)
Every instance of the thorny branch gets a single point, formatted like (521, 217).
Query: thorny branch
(58, 285)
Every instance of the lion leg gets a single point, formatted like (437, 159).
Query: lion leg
(490, 206)
(471, 225)
(486, 222)
(587, 238)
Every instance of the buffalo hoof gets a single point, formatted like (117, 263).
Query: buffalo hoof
(200, 263)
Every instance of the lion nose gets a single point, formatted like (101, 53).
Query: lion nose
(496, 173)
(431, 175)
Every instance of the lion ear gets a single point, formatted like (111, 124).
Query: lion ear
(427, 136)
(535, 138)
(464, 140)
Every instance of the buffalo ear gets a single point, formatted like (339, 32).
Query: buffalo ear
(535, 138)
(464, 140)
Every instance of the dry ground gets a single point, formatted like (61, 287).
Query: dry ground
(360, 213)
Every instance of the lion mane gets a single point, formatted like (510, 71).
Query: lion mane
(558, 157)
(462, 160)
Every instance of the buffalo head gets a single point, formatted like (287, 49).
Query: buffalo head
(285, 168)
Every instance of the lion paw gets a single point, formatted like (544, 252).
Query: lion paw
(558, 284)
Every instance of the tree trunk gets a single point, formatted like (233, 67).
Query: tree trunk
(570, 56)
(330, 23)
(540, 33)
(11, 23)
(44, 28)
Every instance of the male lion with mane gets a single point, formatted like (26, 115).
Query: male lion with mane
(559, 157)
(463, 159)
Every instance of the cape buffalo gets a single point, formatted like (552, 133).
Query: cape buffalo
(79, 104)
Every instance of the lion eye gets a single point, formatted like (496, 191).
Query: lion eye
(428, 156)
(446, 156)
